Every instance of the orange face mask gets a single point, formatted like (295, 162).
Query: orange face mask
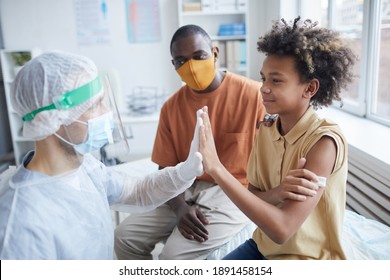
(197, 74)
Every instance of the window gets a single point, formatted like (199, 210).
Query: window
(346, 16)
(365, 24)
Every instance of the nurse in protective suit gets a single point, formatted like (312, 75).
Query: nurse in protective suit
(56, 204)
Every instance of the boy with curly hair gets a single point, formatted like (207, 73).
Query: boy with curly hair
(306, 67)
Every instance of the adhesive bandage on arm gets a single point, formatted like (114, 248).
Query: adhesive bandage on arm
(321, 181)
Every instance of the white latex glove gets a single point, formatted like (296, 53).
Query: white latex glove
(193, 166)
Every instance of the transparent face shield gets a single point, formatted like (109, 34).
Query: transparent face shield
(98, 130)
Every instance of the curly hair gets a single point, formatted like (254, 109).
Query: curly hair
(320, 53)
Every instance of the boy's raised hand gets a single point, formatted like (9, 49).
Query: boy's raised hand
(207, 145)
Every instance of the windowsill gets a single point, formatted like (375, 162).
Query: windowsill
(361, 133)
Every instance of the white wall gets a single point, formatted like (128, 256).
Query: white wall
(261, 15)
(48, 24)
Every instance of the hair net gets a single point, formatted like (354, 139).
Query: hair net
(44, 78)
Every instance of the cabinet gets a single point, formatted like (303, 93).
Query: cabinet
(9, 66)
(226, 21)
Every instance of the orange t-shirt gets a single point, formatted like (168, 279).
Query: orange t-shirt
(235, 108)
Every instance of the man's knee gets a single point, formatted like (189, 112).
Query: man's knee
(128, 248)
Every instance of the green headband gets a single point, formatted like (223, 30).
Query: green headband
(70, 99)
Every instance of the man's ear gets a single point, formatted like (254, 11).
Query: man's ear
(312, 88)
(215, 50)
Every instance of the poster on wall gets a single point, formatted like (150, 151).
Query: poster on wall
(143, 21)
(92, 22)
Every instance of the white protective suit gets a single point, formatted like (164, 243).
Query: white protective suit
(68, 216)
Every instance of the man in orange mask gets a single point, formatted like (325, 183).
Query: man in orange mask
(202, 219)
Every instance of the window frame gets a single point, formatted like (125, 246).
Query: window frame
(374, 56)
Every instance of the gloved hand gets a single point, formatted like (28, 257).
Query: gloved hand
(193, 166)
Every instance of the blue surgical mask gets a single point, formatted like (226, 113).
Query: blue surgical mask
(99, 134)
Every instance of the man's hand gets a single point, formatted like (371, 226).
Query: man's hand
(191, 223)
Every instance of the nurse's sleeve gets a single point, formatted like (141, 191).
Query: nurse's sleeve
(146, 193)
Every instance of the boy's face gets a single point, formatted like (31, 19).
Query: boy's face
(282, 90)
